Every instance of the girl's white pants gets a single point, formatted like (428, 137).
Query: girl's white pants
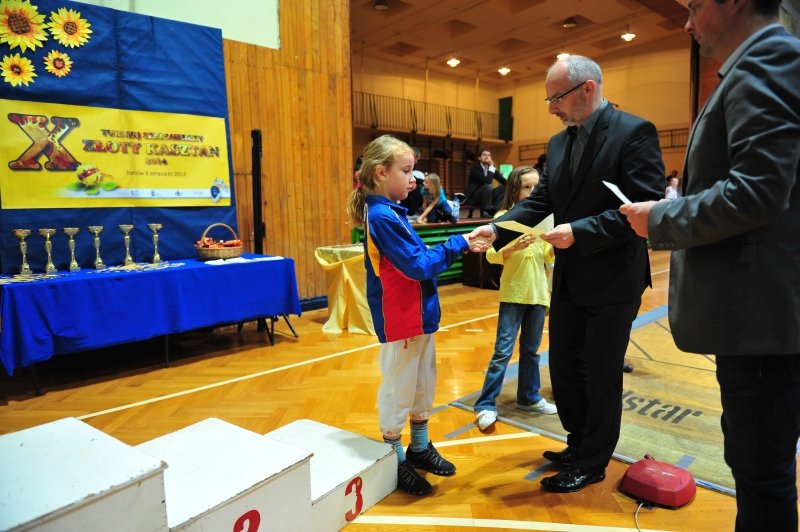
(409, 382)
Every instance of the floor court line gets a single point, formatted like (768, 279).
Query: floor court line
(487, 523)
(459, 431)
(485, 439)
(641, 349)
(647, 317)
(254, 375)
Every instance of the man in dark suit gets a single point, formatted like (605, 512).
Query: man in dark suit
(735, 234)
(479, 186)
(601, 266)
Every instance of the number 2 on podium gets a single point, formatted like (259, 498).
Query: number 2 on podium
(252, 518)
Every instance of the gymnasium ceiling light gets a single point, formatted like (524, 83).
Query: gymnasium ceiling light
(569, 22)
(453, 62)
(380, 5)
(504, 71)
(628, 36)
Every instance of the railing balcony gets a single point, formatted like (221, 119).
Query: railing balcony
(397, 114)
(668, 139)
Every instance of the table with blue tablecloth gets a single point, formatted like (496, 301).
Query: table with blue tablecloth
(91, 309)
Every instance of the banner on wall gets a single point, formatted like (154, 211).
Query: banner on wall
(68, 156)
(108, 118)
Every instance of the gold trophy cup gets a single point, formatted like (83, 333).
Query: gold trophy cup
(155, 228)
(49, 268)
(22, 234)
(71, 232)
(126, 229)
(96, 230)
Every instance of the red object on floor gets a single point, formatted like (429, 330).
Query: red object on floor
(658, 483)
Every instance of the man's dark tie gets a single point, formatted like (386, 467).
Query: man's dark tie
(572, 132)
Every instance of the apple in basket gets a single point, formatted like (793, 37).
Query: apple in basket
(213, 244)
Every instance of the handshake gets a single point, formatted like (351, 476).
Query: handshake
(481, 238)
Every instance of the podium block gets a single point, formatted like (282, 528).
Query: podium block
(68, 476)
(224, 477)
(349, 473)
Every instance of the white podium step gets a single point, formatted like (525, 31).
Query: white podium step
(224, 477)
(349, 473)
(68, 476)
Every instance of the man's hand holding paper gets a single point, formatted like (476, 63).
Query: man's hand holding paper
(560, 236)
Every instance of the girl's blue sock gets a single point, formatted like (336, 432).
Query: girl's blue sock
(398, 448)
(419, 435)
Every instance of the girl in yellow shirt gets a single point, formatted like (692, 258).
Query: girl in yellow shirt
(524, 298)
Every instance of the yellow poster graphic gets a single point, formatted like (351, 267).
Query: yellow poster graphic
(68, 156)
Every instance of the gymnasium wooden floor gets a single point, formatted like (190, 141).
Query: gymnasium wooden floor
(128, 393)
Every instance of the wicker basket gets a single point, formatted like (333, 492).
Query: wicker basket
(230, 252)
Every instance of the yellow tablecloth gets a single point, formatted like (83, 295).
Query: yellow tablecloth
(347, 289)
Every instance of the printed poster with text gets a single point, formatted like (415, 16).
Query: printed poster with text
(68, 156)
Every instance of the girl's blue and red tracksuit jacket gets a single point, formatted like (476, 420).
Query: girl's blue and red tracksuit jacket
(402, 271)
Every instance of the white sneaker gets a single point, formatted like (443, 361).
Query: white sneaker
(486, 419)
(542, 407)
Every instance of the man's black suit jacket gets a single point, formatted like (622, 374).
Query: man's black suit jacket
(607, 263)
(477, 178)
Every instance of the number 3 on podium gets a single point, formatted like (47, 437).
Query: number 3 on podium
(355, 485)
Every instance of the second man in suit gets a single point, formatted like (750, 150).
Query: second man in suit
(734, 287)
(601, 266)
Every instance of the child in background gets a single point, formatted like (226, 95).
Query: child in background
(438, 209)
(401, 291)
(524, 298)
(673, 190)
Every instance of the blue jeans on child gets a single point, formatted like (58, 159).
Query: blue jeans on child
(513, 316)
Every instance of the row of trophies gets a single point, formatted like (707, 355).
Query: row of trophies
(50, 268)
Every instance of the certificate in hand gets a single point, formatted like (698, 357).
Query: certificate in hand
(519, 228)
(617, 192)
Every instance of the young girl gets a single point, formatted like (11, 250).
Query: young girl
(438, 209)
(401, 290)
(524, 297)
(673, 189)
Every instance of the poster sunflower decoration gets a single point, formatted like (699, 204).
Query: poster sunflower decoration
(23, 27)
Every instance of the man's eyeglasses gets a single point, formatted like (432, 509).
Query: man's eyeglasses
(558, 98)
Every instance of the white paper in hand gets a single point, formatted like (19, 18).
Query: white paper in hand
(519, 228)
(617, 192)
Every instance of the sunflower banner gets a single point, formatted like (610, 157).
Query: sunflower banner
(107, 115)
(59, 155)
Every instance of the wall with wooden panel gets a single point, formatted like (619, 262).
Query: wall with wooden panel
(300, 98)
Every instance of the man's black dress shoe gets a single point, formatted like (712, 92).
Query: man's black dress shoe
(571, 480)
(562, 458)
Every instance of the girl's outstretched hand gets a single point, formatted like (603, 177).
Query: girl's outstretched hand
(522, 242)
(481, 238)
